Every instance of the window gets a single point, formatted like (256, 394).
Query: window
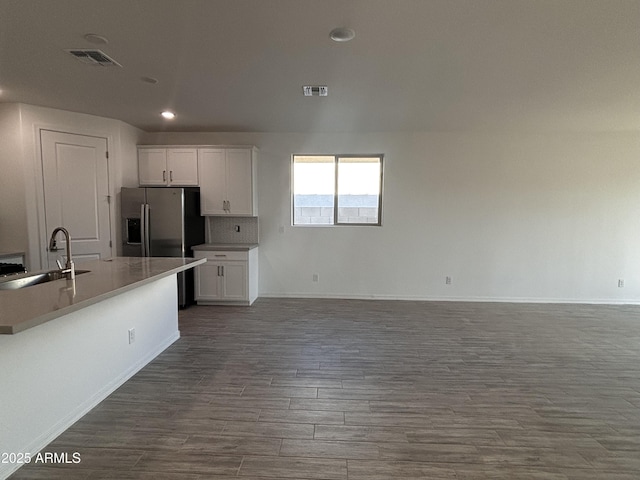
(337, 189)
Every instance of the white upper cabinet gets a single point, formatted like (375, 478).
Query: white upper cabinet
(182, 164)
(228, 181)
(168, 167)
(152, 166)
(212, 167)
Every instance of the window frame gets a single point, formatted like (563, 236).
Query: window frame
(336, 161)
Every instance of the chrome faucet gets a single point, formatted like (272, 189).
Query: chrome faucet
(69, 267)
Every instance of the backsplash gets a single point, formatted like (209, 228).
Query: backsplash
(223, 229)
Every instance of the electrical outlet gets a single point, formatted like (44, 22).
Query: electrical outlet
(620, 282)
(315, 277)
(132, 335)
(237, 228)
(447, 280)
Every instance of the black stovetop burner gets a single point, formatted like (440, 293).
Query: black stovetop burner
(9, 268)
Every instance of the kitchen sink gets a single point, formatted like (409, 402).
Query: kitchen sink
(27, 280)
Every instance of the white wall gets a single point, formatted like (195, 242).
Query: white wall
(21, 166)
(553, 217)
(549, 217)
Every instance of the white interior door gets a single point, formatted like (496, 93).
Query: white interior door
(76, 194)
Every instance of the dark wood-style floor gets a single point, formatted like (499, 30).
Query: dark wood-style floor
(375, 390)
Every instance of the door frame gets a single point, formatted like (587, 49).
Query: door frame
(40, 262)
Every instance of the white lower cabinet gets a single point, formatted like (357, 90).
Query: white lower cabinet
(228, 277)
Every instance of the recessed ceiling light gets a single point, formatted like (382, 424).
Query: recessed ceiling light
(342, 34)
(168, 115)
(96, 39)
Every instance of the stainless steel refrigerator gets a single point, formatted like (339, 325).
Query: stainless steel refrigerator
(163, 222)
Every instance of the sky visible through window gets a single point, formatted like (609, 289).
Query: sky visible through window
(355, 178)
(314, 178)
(359, 178)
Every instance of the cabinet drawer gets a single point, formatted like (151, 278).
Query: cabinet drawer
(221, 255)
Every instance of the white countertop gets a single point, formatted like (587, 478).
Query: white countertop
(27, 307)
(232, 247)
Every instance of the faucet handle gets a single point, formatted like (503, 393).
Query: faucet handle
(59, 263)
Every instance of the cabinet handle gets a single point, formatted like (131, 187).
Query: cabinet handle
(229, 206)
(171, 175)
(218, 270)
(164, 175)
(219, 255)
(222, 268)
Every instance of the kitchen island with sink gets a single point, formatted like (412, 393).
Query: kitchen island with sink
(27, 307)
(67, 344)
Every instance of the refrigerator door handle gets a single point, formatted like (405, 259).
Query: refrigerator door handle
(147, 232)
(143, 231)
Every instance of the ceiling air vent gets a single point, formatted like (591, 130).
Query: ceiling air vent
(315, 90)
(94, 57)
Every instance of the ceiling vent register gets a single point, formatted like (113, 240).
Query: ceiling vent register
(315, 91)
(94, 57)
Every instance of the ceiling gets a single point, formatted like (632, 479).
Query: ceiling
(415, 65)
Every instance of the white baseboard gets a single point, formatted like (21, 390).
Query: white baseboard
(334, 296)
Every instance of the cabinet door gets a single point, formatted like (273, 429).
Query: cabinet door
(240, 181)
(207, 281)
(152, 166)
(212, 172)
(182, 166)
(234, 281)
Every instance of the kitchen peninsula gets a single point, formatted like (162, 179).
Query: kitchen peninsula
(68, 344)
(27, 307)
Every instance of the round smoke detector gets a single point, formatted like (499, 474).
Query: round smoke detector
(96, 39)
(342, 34)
